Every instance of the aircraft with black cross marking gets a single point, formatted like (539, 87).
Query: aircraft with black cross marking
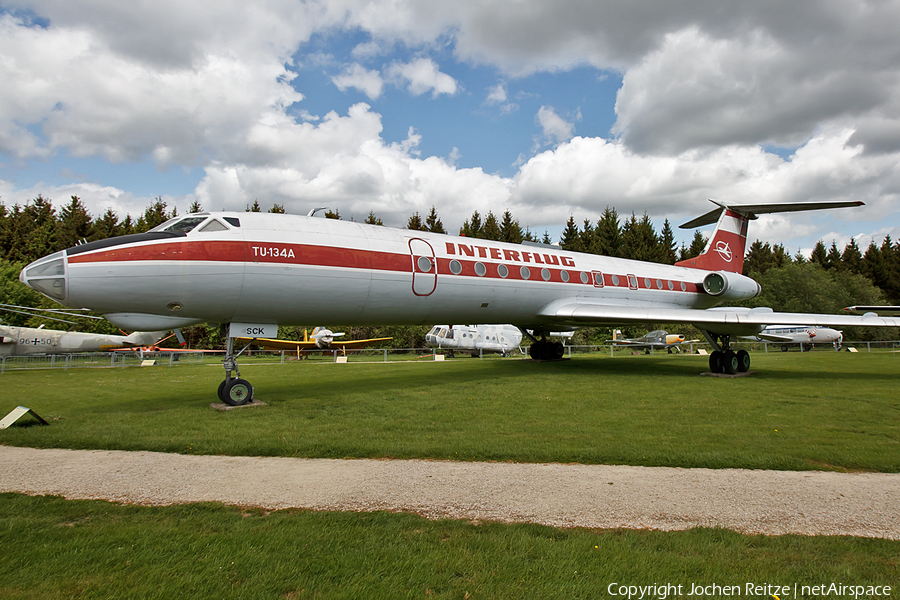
(256, 271)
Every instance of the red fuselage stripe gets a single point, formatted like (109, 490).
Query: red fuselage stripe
(329, 256)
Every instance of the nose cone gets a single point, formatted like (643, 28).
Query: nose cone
(47, 275)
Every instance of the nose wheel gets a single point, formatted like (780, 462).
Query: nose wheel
(234, 391)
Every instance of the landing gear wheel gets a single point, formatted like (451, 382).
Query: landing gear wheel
(784, 348)
(716, 362)
(743, 358)
(221, 392)
(730, 362)
(534, 351)
(557, 350)
(237, 392)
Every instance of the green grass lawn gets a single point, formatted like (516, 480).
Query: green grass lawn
(812, 411)
(818, 410)
(57, 549)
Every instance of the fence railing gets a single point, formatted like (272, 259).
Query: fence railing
(171, 359)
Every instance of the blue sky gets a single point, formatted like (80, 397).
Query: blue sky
(545, 110)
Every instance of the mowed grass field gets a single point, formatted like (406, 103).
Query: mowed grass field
(820, 410)
(811, 411)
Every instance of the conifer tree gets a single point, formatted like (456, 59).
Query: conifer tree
(609, 233)
(415, 223)
(570, 239)
(371, 219)
(819, 254)
(433, 223)
(510, 230)
(852, 257)
(490, 230)
(75, 224)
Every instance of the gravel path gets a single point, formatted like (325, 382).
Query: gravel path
(597, 496)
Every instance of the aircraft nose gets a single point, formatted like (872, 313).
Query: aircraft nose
(47, 275)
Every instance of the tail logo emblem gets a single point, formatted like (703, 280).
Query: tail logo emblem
(724, 250)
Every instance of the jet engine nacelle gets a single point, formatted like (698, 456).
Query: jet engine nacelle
(730, 286)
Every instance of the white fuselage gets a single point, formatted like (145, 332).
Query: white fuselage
(475, 338)
(288, 270)
(787, 334)
(27, 341)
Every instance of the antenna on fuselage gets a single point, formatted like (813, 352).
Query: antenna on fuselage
(315, 210)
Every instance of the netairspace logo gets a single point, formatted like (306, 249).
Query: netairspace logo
(659, 591)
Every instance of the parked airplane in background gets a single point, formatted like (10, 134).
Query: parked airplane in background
(255, 271)
(656, 340)
(788, 335)
(29, 341)
(881, 311)
(475, 338)
(321, 339)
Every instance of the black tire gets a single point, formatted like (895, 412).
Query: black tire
(221, 392)
(237, 392)
(743, 358)
(558, 350)
(784, 348)
(716, 362)
(730, 363)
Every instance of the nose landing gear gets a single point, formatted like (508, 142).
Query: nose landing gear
(234, 390)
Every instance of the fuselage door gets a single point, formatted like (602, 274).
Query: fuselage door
(424, 267)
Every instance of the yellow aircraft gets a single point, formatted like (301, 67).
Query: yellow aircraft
(321, 340)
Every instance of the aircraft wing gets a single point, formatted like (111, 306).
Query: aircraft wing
(732, 320)
(271, 344)
(294, 346)
(353, 344)
(771, 337)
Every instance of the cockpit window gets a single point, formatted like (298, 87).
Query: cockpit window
(186, 224)
(233, 221)
(213, 225)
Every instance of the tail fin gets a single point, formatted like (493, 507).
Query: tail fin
(725, 250)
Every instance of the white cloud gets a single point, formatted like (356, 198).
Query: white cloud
(357, 76)
(420, 76)
(210, 83)
(498, 96)
(554, 127)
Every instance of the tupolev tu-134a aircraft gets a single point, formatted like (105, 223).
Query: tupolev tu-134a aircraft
(255, 271)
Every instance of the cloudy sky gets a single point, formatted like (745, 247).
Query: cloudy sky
(548, 109)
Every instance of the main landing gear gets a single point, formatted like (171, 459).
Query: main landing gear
(725, 360)
(234, 390)
(544, 349)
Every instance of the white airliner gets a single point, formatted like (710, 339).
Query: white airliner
(805, 336)
(255, 271)
(475, 338)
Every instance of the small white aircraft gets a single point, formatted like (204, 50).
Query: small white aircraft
(658, 339)
(29, 341)
(255, 271)
(806, 336)
(474, 339)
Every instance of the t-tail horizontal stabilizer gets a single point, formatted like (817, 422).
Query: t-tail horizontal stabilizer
(725, 249)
